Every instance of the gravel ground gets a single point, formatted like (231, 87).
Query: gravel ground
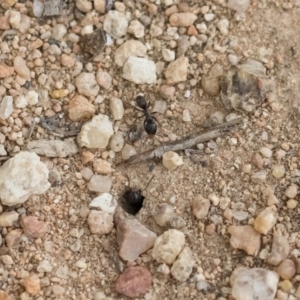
(219, 224)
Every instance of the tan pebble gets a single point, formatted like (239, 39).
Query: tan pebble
(4, 296)
(247, 168)
(182, 19)
(152, 9)
(5, 71)
(258, 161)
(80, 109)
(192, 31)
(292, 191)
(4, 23)
(266, 219)
(245, 238)
(266, 152)
(32, 284)
(171, 160)
(67, 61)
(102, 166)
(286, 269)
(292, 203)
(278, 171)
(210, 229)
(200, 207)
(285, 285)
(171, 10)
(36, 44)
(59, 93)
(280, 154)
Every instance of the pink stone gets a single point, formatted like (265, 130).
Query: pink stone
(133, 282)
(33, 228)
(133, 238)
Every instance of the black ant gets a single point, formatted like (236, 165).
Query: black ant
(150, 125)
(132, 200)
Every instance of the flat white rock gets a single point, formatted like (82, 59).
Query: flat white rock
(115, 24)
(139, 70)
(105, 202)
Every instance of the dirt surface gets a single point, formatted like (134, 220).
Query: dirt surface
(267, 26)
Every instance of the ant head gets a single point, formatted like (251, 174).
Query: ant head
(141, 102)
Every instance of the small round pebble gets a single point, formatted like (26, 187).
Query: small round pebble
(286, 269)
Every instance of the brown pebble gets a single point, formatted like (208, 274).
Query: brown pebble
(258, 161)
(192, 31)
(33, 228)
(4, 296)
(133, 282)
(286, 269)
(86, 157)
(13, 238)
(211, 228)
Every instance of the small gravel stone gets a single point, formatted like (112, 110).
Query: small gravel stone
(6, 107)
(259, 177)
(258, 161)
(133, 282)
(32, 97)
(5, 71)
(137, 29)
(58, 289)
(8, 218)
(13, 238)
(238, 5)
(80, 109)
(167, 91)
(86, 84)
(59, 31)
(6, 259)
(117, 142)
(200, 207)
(182, 19)
(266, 152)
(286, 269)
(32, 284)
(33, 228)
(177, 71)
(292, 191)
(186, 117)
(102, 166)
(160, 106)
(128, 151)
(168, 246)
(104, 79)
(291, 204)
(280, 249)
(183, 266)
(129, 48)
(116, 108)
(105, 202)
(278, 171)
(133, 238)
(96, 133)
(163, 213)
(100, 184)
(21, 68)
(245, 238)
(168, 55)
(171, 160)
(256, 283)
(266, 219)
(44, 266)
(223, 26)
(100, 222)
(115, 24)
(139, 70)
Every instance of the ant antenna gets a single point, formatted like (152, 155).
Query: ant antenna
(148, 183)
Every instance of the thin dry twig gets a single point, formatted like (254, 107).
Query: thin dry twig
(186, 142)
